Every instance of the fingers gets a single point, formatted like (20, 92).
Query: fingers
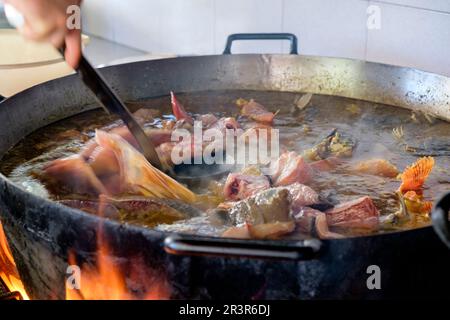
(73, 48)
(45, 20)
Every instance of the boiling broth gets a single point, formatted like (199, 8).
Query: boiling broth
(371, 125)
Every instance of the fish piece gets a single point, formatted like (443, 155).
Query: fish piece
(144, 115)
(415, 175)
(99, 208)
(305, 218)
(165, 152)
(158, 136)
(71, 175)
(302, 196)
(240, 232)
(377, 167)
(240, 186)
(322, 230)
(207, 120)
(272, 230)
(224, 123)
(416, 204)
(267, 206)
(359, 213)
(312, 221)
(183, 124)
(290, 168)
(198, 225)
(219, 216)
(333, 145)
(178, 110)
(104, 162)
(137, 175)
(257, 112)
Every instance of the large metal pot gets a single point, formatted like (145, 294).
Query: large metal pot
(413, 263)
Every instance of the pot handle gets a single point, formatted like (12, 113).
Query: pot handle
(237, 248)
(440, 218)
(262, 36)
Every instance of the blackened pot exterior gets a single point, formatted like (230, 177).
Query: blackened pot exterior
(43, 234)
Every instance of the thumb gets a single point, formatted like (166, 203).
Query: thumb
(73, 48)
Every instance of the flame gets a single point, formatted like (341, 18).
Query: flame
(108, 281)
(8, 270)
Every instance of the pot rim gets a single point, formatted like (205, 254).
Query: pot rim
(164, 234)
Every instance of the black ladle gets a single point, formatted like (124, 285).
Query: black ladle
(187, 173)
(112, 104)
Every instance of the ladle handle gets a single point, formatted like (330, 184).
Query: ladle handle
(259, 249)
(262, 36)
(109, 100)
(440, 218)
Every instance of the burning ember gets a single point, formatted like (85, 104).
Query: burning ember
(8, 271)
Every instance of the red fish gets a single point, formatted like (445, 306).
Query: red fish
(302, 196)
(290, 168)
(241, 186)
(359, 213)
(73, 174)
(257, 112)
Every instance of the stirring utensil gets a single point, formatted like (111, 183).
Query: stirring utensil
(187, 173)
(112, 104)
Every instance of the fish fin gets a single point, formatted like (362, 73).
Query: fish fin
(178, 109)
(415, 175)
(427, 206)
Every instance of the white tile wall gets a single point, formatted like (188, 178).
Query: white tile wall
(414, 32)
(328, 27)
(437, 5)
(234, 16)
(411, 37)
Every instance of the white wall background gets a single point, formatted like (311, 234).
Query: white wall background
(414, 33)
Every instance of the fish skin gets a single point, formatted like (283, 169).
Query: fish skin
(240, 186)
(257, 112)
(266, 206)
(72, 174)
(359, 213)
(377, 167)
(302, 196)
(137, 175)
(291, 168)
(271, 230)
